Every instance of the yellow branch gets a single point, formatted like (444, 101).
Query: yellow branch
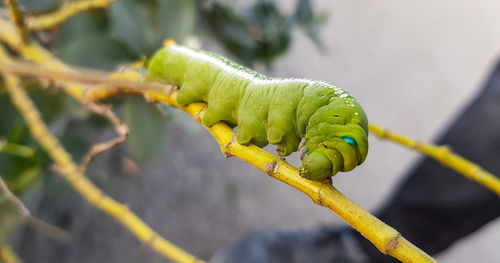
(7, 255)
(79, 182)
(385, 238)
(67, 10)
(444, 155)
(382, 236)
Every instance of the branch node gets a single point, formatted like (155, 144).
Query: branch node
(476, 171)
(392, 243)
(150, 242)
(148, 98)
(170, 89)
(271, 167)
(225, 149)
(414, 145)
(384, 133)
(197, 116)
(226, 154)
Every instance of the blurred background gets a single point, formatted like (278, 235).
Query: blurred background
(412, 65)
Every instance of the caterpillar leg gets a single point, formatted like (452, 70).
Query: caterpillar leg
(224, 98)
(322, 163)
(198, 81)
(252, 117)
(282, 128)
(289, 144)
(188, 94)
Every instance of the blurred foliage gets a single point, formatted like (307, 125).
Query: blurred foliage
(9, 219)
(130, 29)
(260, 33)
(125, 32)
(139, 115)
(21, 160)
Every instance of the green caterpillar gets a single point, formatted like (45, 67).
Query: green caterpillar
(270, 110)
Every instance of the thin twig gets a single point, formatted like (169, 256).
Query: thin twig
(120, 128)
(87, 76)
(67, 10)
(48, 230)
(17, 149)
(35, 223)
(444, 155)
(4, 190)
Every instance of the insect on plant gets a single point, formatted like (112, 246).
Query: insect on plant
(331, 123)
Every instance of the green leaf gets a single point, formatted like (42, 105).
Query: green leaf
(84, 24)
(128, 25)
(9, 116)
(176, 19)
(50, 103)
(147, 126)
(310, 22)
(143, 25)
(16, 149)
(24, 179)
(95, 51)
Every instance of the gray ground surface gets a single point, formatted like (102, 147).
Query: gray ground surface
(411, 64)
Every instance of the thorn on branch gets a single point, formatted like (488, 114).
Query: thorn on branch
(148, 98)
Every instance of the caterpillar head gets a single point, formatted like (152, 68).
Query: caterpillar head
(336, 139)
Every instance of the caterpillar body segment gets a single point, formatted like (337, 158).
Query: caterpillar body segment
(270, 110)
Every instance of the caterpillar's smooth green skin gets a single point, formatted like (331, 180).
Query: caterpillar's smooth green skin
(270, 110)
